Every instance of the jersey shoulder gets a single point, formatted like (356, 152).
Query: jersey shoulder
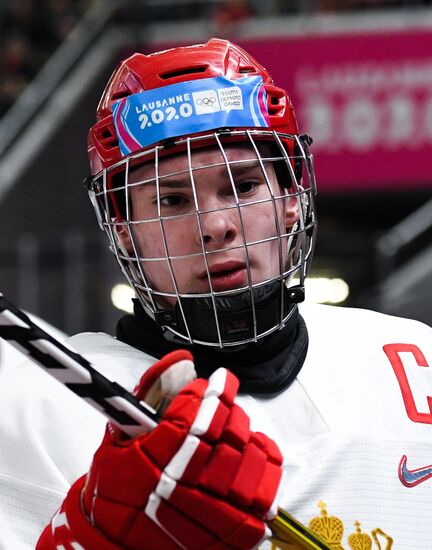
(368, 372)
(359, 324)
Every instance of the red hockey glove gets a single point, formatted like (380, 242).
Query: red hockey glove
(200, 480)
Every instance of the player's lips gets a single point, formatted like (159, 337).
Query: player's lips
(226, 275)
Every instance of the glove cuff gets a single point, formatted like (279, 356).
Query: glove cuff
(70, 527)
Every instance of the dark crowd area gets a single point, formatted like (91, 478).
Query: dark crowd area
(30, 30)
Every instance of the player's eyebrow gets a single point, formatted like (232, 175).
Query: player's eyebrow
(170, 180)
(175, 181)
(244, 168)
(181, 179)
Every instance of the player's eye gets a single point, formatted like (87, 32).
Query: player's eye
(246, 187)
(172, 200)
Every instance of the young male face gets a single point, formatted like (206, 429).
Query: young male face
(166, 222)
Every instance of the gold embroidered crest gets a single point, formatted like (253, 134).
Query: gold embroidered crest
(290, 534)
(329, 528)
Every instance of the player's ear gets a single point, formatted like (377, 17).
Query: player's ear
(292, 211)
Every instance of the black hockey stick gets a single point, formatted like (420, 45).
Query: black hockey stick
(75, 372)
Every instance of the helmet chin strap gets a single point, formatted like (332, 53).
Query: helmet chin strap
(229, 319)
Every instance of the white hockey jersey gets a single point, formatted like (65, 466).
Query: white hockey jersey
(355, 429)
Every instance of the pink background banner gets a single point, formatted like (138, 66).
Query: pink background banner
(365, 98)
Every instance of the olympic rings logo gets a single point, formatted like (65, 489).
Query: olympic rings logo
(206, 101)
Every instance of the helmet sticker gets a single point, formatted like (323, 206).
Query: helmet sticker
(189, 107)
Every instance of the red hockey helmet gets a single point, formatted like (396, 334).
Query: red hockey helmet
(141, 72)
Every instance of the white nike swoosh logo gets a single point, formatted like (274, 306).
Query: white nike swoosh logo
(411, 478)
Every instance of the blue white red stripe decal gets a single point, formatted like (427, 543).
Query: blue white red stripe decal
(186, 108)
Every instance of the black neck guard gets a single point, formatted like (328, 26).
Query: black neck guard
(266, 367)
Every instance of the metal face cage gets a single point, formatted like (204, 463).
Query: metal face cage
(210, 231)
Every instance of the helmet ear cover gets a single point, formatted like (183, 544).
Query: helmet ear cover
(298, 153)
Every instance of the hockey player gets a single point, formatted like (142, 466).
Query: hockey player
(205, 188)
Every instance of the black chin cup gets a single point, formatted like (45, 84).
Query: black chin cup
(234, 314)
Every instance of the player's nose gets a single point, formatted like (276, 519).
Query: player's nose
(218, 227)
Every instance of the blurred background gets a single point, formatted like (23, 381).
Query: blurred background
(360, 76)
